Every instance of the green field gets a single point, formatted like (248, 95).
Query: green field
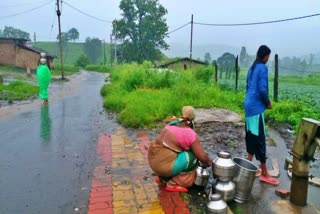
(71, 51)
(302, 88)
(143, 96)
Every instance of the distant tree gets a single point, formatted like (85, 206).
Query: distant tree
(303, 66)
(82, 61)
(142, 29)
(1, 34)
(311, 58)
(64, 38)
(243, 56)
(11, 32)
(207, 57)
(93, 49)
(73, 34)
(226, 64)
(64, 42)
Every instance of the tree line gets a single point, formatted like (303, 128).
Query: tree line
(287, 65)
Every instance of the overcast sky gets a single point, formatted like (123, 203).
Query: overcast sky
(296, 37)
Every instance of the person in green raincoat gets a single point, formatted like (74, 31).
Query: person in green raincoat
(43, 77)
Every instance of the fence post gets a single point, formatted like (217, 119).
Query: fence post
(276, 78)
(237, 73)
(215, 72)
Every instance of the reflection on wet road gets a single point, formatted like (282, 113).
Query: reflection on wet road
(45, 125)
(47, 152)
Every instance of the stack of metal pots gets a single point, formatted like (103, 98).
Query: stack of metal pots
(223, 171)
(216, 205)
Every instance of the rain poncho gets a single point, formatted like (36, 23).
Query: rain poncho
(44, 77)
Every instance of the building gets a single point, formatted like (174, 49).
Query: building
(20, 53)
(182, 63)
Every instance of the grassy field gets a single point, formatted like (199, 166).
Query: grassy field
(71, 52)
(143, 96)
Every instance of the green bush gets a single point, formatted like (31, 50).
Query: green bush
(17, 91)
(204, 73)
(291, 111)
(82, 61)
(143, 96)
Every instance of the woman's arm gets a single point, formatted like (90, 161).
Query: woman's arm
(263, 85)
(200, 153)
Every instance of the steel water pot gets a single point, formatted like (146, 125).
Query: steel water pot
(223, 166)
(202, 176)
(227, 189)
(216, 205)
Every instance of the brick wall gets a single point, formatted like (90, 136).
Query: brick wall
(7, 53)
(26, 58)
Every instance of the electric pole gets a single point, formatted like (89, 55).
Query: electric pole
(104, 52)
(60, 42)
(111, 50)
(34, 38)
(191, 39)
(115, 43)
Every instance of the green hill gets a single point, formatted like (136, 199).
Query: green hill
(71, 51)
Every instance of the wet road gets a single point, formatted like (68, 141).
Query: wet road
(47, 152)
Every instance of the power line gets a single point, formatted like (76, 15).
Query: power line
(21, 5)
(178, 28)
(91, 16)
(27, 11)
(259, 23)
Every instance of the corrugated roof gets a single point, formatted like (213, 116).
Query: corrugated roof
(15, 39)
(36, 50)
(20, 42)
(182, 59)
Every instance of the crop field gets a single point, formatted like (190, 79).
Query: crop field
(310, 94)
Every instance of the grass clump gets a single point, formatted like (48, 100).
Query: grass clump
(17, 91)
(143, 96)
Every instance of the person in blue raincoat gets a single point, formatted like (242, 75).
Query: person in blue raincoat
(256, 102)
(44, 78)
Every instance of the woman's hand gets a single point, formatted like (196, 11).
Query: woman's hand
(200, 153)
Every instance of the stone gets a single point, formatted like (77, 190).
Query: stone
(283, 193)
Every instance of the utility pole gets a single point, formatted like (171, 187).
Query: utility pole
(191, 39)
(60, 42)
(115, 42)
(35, 38)
(111, 49)
(104, 52)
(276, 78)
